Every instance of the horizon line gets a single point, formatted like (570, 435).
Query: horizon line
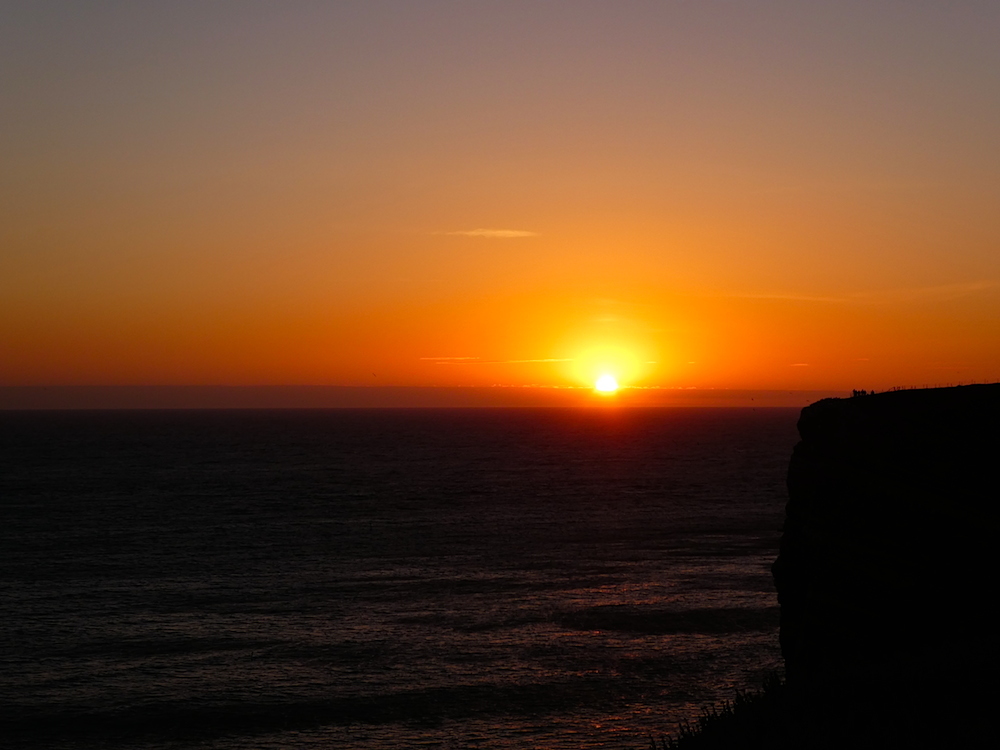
(114, 397)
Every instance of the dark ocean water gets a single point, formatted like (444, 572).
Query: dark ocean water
(495, 578)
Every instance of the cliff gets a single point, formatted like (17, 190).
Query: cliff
(888, 563)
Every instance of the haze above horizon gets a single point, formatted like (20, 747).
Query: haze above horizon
(766, 196)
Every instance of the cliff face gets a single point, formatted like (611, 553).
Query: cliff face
(889, 556)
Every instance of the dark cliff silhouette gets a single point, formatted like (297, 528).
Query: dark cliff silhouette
(887, 575)
(887, 572)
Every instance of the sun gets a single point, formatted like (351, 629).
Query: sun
(606, 384)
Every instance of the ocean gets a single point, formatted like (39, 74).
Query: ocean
(365, 578)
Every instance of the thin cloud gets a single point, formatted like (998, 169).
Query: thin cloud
(795, 297)
(912, 294)
(937, 292)
(494, 234)
(478, 361)
(550, 359)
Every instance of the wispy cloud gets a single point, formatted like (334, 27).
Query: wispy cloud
(937, 292)
(550, 359)
(795, 297)
(495, 234)
(911, 294)
(479, 361)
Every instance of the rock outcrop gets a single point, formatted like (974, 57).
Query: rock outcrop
(887, 572)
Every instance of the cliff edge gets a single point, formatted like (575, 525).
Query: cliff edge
(888, 563)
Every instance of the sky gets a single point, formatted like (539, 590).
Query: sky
(741, 195)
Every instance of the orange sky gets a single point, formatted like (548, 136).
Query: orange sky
(773, 195)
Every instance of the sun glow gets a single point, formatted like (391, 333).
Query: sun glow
(606, 384)
(605, 367)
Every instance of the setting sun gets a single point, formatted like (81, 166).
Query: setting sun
(606, 384)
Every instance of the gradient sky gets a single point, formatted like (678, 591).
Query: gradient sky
(689, 194)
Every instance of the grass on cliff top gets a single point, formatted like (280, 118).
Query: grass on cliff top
(741, 723)
(945, 711)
